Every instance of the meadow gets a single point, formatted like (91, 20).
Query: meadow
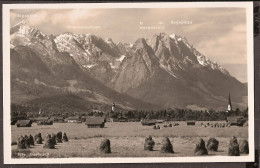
(127, 139)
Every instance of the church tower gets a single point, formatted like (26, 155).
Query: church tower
(113, 107)
(229, 104)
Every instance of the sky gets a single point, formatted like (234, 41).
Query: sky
(218, 33)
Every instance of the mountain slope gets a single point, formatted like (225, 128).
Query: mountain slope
(39, 72)
(181, 77)
(163, 70)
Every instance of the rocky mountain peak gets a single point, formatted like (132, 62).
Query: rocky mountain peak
(140, 43)
(163, 69)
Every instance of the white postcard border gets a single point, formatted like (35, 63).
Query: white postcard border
(6, 83)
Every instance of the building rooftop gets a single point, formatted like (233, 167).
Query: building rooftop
(95, 120)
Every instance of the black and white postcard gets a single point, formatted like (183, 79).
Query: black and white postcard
(128, 82)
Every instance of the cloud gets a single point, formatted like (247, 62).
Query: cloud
(62, 18)
(218, 33)
(41, 17)
(78, 15)
(229, 48)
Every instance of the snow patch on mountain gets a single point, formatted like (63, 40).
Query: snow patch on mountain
(206, 62)
(89, 66)
(67, 42)
(121, 58)
(188, 59)
(168, 69)
(88, 51)
(131, 45)
(173, 36)
(108, 41)
(112, 66)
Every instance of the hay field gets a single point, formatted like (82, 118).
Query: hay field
(127, 139)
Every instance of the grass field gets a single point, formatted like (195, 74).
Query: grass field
(127, 139)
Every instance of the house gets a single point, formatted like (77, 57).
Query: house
(148, 122)
(122, 119)
(95, 122)
(73, 119)
(159, 121)
(57, 119)
(236, 120)
(191, 122)
(40, 119)
(15, 119)
(24, 123)
(133, 120)
(96, 111)
(46, 122)
(111, 119)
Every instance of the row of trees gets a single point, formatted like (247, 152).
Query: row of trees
(179, 114)
(169, 114)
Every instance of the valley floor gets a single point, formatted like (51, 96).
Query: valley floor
(127, 139)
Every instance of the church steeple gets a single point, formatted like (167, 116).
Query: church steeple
(113, 107)
(229, 104)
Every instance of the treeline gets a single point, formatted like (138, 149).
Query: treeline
(169, 114)
(179, 114)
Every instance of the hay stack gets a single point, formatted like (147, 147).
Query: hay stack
(200, 148)
(149, 143)
(170, 125)
(27, 141)
(59, 137)
(65, 138)
(53, 137)
(21, 143)
(243, 147)
(38, 138)
(48, 142)
(212, 144)
(31, 140)
(105, 146)
(166, 146)
(233, 149)
(158, 126)
(154, 127)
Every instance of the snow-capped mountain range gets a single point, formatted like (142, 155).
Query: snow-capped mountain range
(164, 70)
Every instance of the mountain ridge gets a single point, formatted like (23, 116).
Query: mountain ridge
(167, 61)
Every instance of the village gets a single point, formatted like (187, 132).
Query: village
(98, 118)
(106, 130)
